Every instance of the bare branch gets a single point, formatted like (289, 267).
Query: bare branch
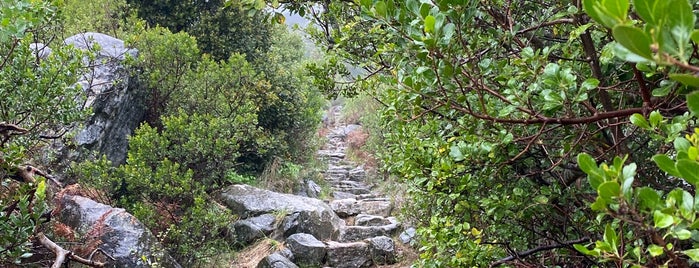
(63, 254)
(537, 249)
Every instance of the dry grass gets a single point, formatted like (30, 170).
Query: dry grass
(252, 255)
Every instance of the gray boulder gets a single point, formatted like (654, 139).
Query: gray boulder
(276, 260)
(348, 255)
(305, 215)
(117, 98)
(244, 232)
(307, 250)
(116, 232)
(382, 250)
(109, 47)
(41, 50)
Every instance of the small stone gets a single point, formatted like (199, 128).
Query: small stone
(383, 250)
(407, 235)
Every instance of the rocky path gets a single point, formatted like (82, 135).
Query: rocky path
(352, 229)
(366, 212)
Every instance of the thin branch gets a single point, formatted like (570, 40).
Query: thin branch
(537, 249)
(549, 23)
(63, 254)
(553, 120)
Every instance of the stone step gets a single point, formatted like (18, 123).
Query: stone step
(351, 190)
(350, 207)
(359, 233)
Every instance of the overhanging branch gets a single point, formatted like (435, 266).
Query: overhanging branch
(538, 249)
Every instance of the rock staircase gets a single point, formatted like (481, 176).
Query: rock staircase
(352, 229)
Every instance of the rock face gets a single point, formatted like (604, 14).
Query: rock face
(304, 215)
(117, 98)
(113, 230)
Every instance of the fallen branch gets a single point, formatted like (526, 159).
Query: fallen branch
(26, 174)
(525, 253)
(63, 254)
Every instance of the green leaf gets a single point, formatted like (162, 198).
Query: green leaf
(455, 153)
(686, 79)
(681, 144)
(634, 39)
(693, 102)
(655, 118)
(608, 190)
(582, 249)
(680, 17)
(692, 254)
(380, 9)
(655, 250)
(661, 220)
(648, 198)
(611, 237)
(695, 36)
(689, 170)
(661, 91)
(429, 24)
(588, 165)
(683, 234)
(650, 11)
(639, 121)
(607, 12)
(628, 174)
(666, 164)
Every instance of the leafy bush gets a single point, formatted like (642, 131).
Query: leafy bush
(38, 99)
(487, 103)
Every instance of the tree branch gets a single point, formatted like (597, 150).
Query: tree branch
(63, 254)
(525, 253)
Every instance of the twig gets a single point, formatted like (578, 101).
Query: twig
(537, 249)
(63, 254)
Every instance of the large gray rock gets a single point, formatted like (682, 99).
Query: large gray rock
(117, 98)
(116, 232)
(305, 215)
(307, 250)
(348, 255)
(244, 232)
(276, 260)
(382, 250)
(109, 47)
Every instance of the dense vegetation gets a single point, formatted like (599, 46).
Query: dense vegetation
(532, 133)
(487, 104)
(224, 106)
